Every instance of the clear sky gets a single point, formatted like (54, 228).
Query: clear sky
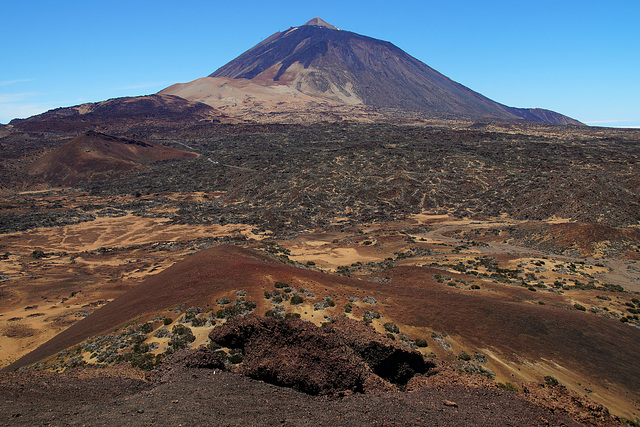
(580, 58)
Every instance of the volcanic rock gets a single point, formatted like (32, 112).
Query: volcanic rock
(343, 357)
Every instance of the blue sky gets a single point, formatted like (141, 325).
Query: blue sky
(581, 58)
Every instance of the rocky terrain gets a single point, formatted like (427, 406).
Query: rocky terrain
(277, 245)
(197, 386)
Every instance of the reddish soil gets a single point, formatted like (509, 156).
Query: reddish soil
(509, 321)
(189, 396)
(95, 156)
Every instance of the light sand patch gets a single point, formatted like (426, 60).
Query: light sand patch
(121, 231)
(41, 323)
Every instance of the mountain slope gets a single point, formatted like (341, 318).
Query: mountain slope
(319, 60)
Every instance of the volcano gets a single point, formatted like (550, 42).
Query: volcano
(319, 60)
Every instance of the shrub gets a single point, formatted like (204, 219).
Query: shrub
(292, 315)
(421, 342)
(508, 387)
(145, 328)
(192, 312)
(280, 285)
(328, 302)
(391, 328)
(579, 307)
(348, 308)
(369, 300)
(162, 333)
(267, 295)
(277, 312)
(182, 337)
(167, 321)
(464, 356)
(197, 322)
(368, 316)
(145, 361)
(475, 287)
(296, 299)
(223, 301)
(551, 381)
(140, 348)
(240, 308)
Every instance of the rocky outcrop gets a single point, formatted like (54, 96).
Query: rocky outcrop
(340, 358)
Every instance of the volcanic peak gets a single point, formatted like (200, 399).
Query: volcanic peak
(321, 23)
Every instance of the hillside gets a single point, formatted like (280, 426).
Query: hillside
(95, 156)
(122, 115)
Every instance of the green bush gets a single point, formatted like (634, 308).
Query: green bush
(368, 316)
(508, 387)
(421, 342)
(391, 328)
(198, 322)
(145, 328)
(167, 321)
(579, 307)
(239, 309)
(464, 356)
(551, 381)
(281, 285)
(296, 299)
(348, 308)
(182, 337)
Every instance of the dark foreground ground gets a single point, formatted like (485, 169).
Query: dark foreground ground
(208, 397)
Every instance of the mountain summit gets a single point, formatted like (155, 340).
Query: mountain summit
(319, 61)
(321, 23)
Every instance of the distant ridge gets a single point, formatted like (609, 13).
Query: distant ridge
(317, 60)
(121, 115)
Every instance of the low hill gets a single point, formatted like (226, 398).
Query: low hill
(93, 156)
(519, 335)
